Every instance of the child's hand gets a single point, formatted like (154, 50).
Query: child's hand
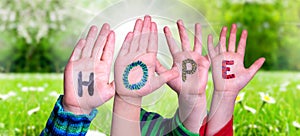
(229, 77)
(135, 78)
(86, 77)
(229, 74)
(135, 64)
(191, 84)
(192, 66)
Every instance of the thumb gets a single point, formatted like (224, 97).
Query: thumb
(109, 93)
(256, 66)
(211, 52)
(159, 68)
(164, 77)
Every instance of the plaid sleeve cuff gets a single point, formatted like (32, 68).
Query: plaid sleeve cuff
(179, 129)
(62, 122)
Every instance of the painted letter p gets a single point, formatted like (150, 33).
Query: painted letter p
(188, 71)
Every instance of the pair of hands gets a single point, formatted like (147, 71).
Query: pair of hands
(94, 55)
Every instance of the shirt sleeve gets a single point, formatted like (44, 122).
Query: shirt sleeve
(62, 123)
(227, 130)
(203, 127)
(154, 124)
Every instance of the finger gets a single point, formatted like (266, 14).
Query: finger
(171, 42)
(207, 58)
(101, 40)
(210, 46)
(136, 35)
(159, 68)
(185, 42)
(242, 43)
(198, 39)
(232, 39)
(164, 77)
(256, 66)
(87, 50)
(126, 44)
(153, 41)
(217, 48)
(108, 51)
(145, 34)
(109, 93)
(77, 50)
(222, 40)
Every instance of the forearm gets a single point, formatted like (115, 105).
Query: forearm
(192, 111)
(126, 116)
(221, 111)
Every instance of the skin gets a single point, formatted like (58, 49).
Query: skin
(226, 90)
(191, 93)
(141, 44)
(92, 54)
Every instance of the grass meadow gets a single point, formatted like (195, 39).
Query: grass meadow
(27, 100)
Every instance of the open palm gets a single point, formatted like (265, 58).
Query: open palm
(140, 46)
(193, 83)
(87, 72)
(229, 73)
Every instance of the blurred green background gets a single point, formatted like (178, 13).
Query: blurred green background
(38, 36)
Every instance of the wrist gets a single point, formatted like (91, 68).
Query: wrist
(221, 111)
(228, 95)
(74, 109)
(131, 100)
(192, 111)
(192, 91)
(223, 101)
(191, 99)
(127, 107)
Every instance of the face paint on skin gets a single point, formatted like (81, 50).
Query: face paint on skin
(185, 71)
(225, 63)
(144, 79)
(89, 84)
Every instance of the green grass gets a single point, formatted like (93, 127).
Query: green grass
(272, 119)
